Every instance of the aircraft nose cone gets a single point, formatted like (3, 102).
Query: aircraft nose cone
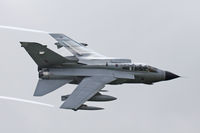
(169, 75)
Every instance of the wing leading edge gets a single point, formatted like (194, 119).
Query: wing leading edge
(83, 53)
(87, 88)
(77, 49)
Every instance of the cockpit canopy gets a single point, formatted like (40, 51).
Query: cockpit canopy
(140, 67)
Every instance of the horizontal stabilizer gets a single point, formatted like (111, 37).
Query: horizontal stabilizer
(42, 56)
(46, 86)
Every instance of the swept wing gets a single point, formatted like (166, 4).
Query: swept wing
(88, 87)
(83, 53)
(77, 49)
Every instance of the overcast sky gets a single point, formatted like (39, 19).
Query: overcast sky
(165, 34)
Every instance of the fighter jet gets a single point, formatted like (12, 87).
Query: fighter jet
(91, 71)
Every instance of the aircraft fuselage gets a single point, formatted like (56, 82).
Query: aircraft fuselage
(122, 73)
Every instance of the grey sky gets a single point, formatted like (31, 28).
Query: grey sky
(165, 34)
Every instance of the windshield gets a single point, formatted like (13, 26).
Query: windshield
(140, 67)
(145, 68)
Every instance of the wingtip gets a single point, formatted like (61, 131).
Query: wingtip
(57, 35)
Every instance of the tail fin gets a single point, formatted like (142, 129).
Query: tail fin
(42, 56)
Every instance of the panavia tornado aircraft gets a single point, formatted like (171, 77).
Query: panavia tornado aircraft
(90, 70)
